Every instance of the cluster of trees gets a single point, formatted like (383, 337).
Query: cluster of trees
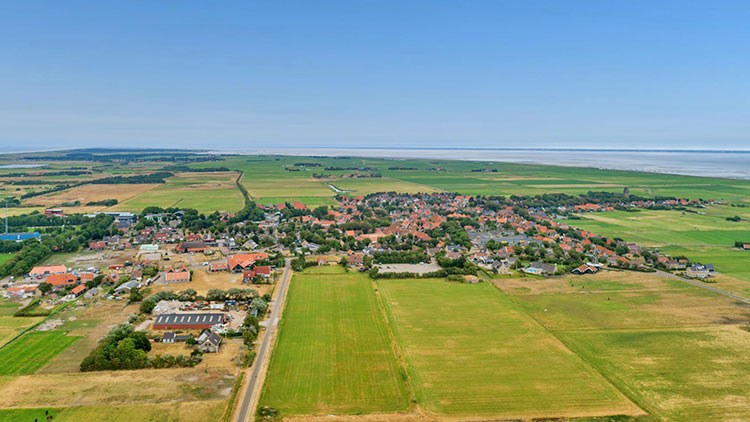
(400, 257)
(184, 168)
(157, 177)
(125, 348)
(50, 173)
(103, 202)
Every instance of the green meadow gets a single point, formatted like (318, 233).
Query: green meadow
(11, 326)
(705, 236)
(471, 352)
(676, 350)
(5, 256)
(206, 192)
(32, 351)
(333, 353)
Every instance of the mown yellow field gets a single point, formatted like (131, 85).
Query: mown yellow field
(90, 193)
(117, 387)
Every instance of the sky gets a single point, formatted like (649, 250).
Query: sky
(447, 74)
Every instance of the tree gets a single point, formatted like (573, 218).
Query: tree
(259, 304)
(45, 288)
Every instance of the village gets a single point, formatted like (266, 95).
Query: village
(386, 234)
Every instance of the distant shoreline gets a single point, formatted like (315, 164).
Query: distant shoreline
(728, 164)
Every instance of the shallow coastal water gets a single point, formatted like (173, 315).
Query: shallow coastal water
(729, 164)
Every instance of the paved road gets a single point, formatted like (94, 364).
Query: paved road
(255, 382)
(704, 286)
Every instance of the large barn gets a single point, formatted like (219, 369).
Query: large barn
(190, 321)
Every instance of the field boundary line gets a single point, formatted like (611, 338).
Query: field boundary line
(626, 394)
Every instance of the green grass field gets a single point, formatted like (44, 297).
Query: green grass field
(206, 192)
(4, 257)
(11, 326)
(333, 354)
(268, 182)
(472, 352)
(707, 238)
(32, 351)
(677, 350)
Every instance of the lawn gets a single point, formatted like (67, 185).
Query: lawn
(32, 351)
(677, 350)
(471, 352)
(4, 257)
(333, 354)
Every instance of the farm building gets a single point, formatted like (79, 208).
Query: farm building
(195, 246)
(181, 275)
(195, 321)
(42, 270)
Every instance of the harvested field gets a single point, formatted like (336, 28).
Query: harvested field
(116, 387)
(90, 193)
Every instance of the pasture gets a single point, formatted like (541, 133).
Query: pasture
(333, 353)
(11, 326)
(32, 351)
(706, 238)
(675, 349)
(206, 192)
(471, 352)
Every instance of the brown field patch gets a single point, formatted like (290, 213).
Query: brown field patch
(90, 193)
(117, 387)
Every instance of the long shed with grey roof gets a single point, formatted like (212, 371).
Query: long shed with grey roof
(199, 320)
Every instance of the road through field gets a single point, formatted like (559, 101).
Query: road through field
(704, 286)
(255, 381)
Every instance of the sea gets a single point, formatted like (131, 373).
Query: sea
(725, 164)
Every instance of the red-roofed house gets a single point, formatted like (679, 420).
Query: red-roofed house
(78, 290)
(248, 275)
(177, 276)
(97, 246)
(61, 280)
(264, 271)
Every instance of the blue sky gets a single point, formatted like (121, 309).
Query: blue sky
(612, 74)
